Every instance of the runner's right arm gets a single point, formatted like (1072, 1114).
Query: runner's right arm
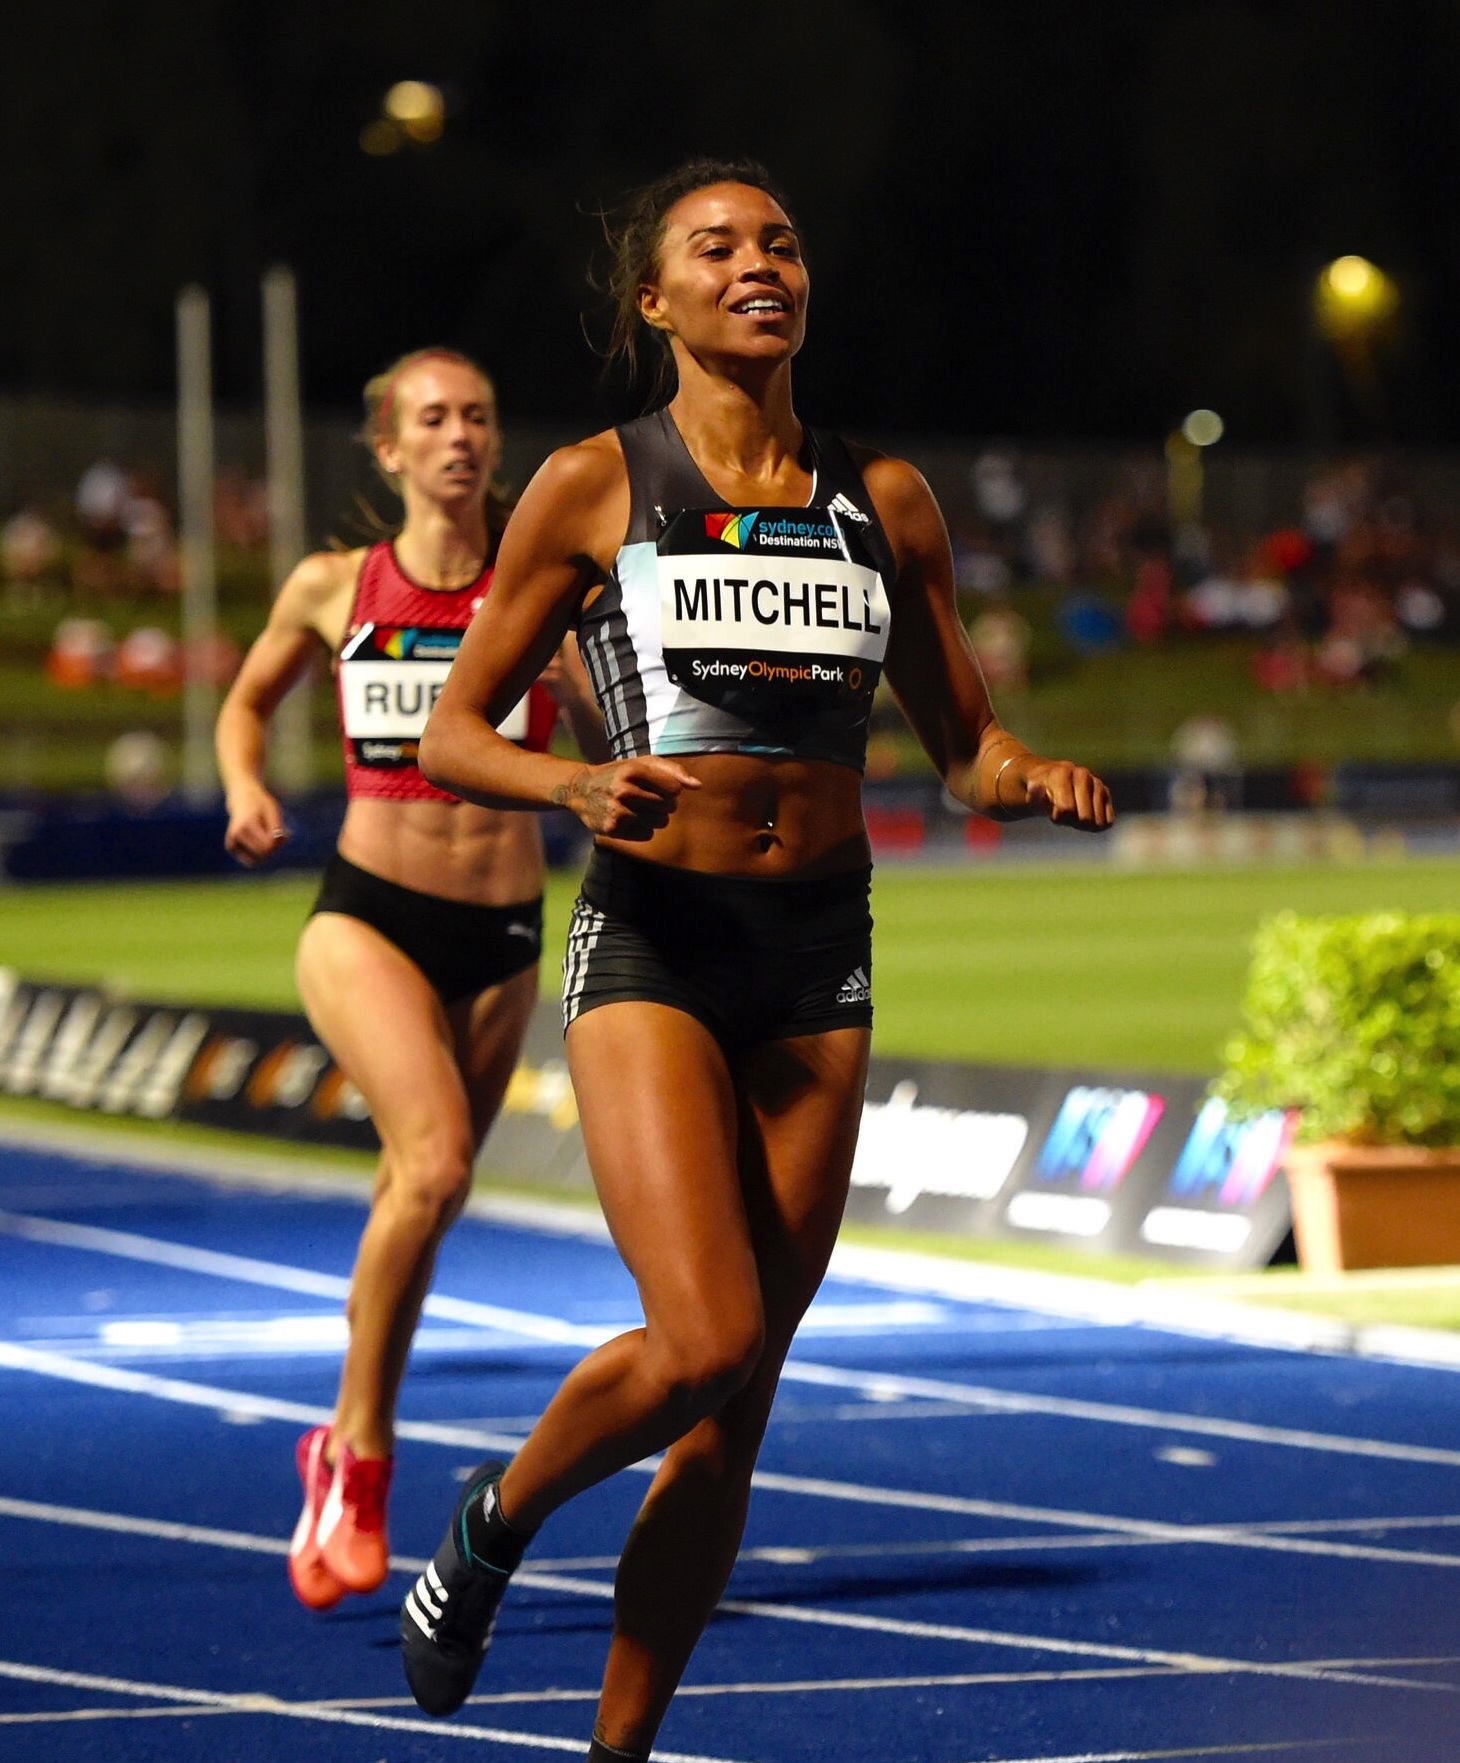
(304, 613)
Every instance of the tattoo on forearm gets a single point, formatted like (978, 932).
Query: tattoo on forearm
(562, 794)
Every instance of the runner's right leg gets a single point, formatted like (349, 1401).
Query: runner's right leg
(412, 1078)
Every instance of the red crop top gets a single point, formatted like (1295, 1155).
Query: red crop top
(399, 644)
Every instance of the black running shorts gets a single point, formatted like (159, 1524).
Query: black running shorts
(460, 947)
(753, 960)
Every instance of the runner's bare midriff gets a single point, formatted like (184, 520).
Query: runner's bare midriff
(751, 816)
(456, 850)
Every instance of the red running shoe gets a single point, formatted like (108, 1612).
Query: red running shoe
(314, 1584)
(351, 1530)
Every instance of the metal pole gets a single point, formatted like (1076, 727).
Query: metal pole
(195, 472)
(284, 452)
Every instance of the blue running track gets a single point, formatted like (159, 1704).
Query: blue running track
(981, 1534)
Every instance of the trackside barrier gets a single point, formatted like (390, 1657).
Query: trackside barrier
(1121, 1164)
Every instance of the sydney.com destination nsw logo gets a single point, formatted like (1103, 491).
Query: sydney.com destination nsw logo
(773, 532)
(731, 529)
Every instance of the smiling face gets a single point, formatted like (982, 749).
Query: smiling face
(730, 280)
(441, 440)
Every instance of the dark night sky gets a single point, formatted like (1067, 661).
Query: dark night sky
(1048, 219)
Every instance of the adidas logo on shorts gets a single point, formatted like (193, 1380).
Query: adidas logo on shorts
(856, 988)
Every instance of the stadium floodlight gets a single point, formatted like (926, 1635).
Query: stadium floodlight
(412, 110)
(1203, 428)
(1352, 298)
(1185, 487)
(418, 107)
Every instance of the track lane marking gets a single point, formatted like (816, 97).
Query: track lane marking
(1412, 1521)
(258, 1703)
(1116, 1414)
(1278, 1748)
(573, 1586)
(1138, 1529)
(75, 1716)
(236, 1402)
(808, 1686)
(1197, 1664)
(551, 1330)
(249, 1270)
(168, 1530)
(229, 1402)
(1063, 1297)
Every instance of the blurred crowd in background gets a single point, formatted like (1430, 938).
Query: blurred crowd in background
(1329, 596)
(1357, 568)
(115, 536)
(107, 559)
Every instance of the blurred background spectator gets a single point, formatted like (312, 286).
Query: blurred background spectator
(1106, 611)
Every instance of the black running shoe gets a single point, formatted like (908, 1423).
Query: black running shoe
(447, 1619)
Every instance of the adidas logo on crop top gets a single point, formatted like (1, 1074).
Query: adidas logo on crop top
(739, 630)
(393, 663)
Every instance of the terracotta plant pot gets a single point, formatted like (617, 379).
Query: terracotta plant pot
(1374, 1205)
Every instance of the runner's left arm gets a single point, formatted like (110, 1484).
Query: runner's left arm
(935, 675)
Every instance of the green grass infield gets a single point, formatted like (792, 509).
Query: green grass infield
(1012, 964)
(1072, 965)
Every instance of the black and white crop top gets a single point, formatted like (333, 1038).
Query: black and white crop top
(739, 630)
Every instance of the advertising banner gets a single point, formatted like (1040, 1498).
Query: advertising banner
(1120, 1164)
(1127, 1165)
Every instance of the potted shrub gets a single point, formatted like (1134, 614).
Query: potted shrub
(1355, 1023)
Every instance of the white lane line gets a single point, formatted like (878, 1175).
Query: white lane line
(1198, 1663)
(831, 1317)
(1295, 1526)
(814, 1686)
(1072, 1297)
(1112, 1414)
(129, 1346)
(260, 1703)
(248, 1270)
(866, 1685)
(808, 1555)
(167, 1530)
(1278, 1748)
(1388, 1664)
(842, 1412)
(233, 1403)
(880, 1385)
(602, 1590)
(164, 1529)
(229, 1403)
(73, 1716)
(1217, 1535)
(808, 1686)
(792, 1555)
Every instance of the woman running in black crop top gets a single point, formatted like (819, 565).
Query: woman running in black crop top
(719, 1054)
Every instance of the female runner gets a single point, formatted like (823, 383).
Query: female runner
(418, 968)
(738, 581)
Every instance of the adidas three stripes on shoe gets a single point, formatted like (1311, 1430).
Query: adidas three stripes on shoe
(451, 1610)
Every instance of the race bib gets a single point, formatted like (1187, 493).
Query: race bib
(390, 679)
(773, 613)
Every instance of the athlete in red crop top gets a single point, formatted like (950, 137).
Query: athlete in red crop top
(399, 641)
(418, 967)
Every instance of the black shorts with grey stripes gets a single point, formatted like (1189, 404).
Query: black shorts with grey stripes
(752, 959)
